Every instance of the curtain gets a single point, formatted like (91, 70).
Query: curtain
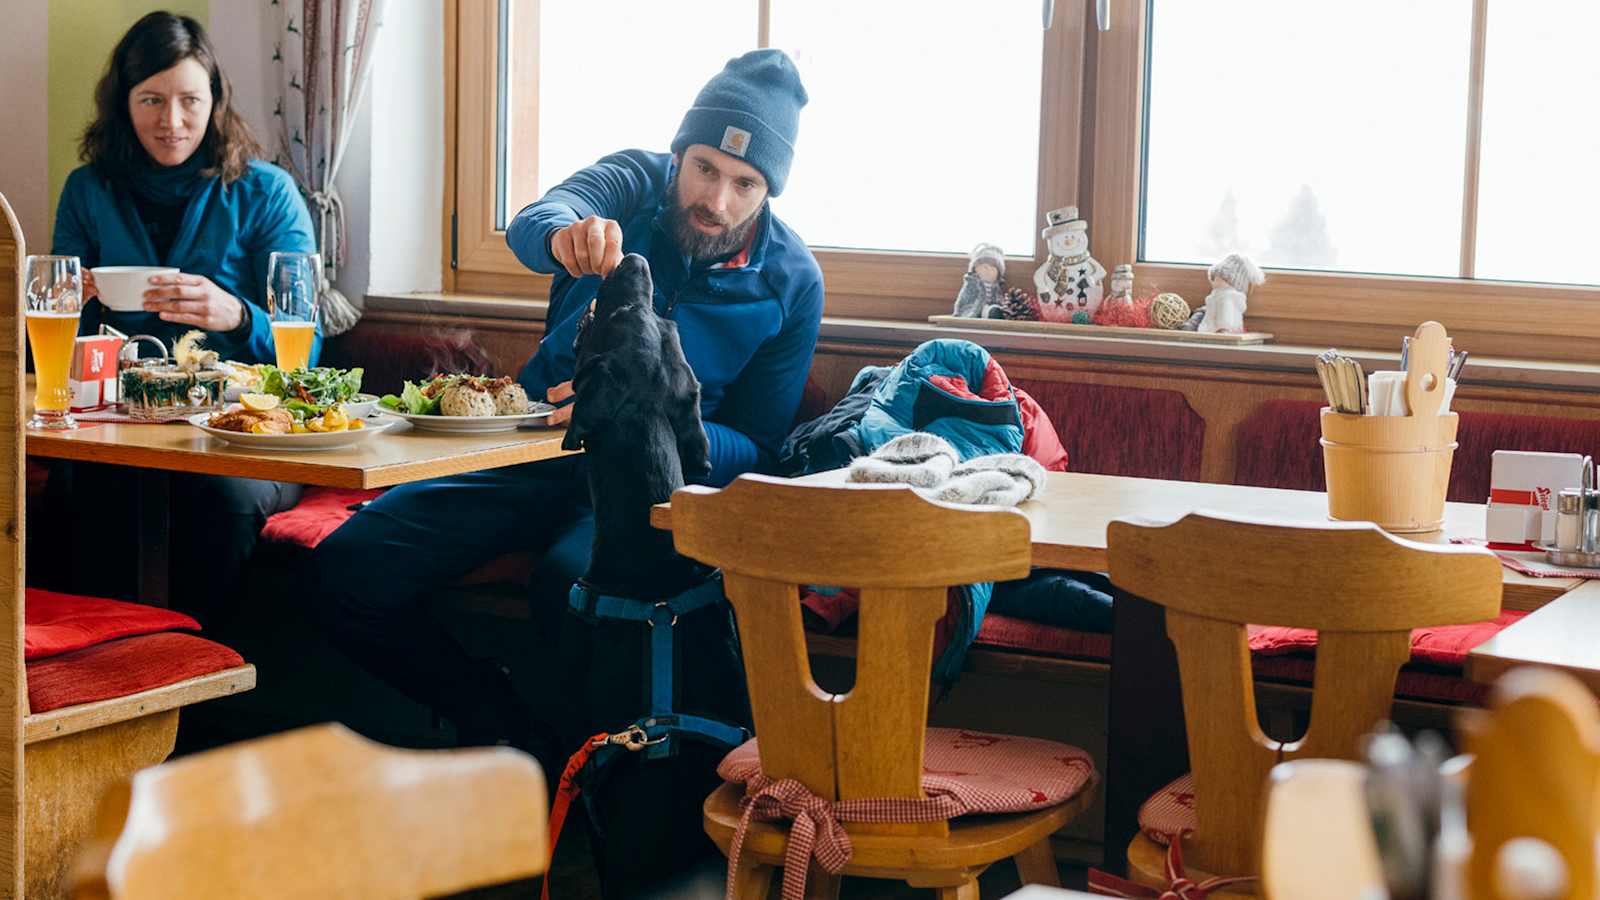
(323, 51)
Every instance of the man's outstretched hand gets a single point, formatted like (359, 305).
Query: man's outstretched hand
(592, 246)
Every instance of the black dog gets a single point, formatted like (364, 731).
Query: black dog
(637, 417)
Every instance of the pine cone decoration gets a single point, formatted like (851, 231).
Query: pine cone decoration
(1020, 305)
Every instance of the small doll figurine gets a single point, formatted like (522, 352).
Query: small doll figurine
(1122, 284)
(1069, 279)
(1230, 280)
(983, 288)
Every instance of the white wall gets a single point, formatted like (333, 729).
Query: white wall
(24, 108)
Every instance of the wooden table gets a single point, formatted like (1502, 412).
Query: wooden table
(1563, 634)
(1069, 519)
(401, 455)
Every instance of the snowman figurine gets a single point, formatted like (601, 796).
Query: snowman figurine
(1070, 278)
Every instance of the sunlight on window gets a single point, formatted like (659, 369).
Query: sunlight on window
(1539, 187)
(923, 127)
(619, 74)
(1315, 136)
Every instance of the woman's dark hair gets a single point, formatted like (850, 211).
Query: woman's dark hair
(154, 44)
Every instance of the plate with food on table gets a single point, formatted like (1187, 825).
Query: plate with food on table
(305, 409)
(466, 403)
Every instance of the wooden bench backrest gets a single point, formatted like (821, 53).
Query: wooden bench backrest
(13, 690)
(319, 812)
(1361, 588)
(903, 552)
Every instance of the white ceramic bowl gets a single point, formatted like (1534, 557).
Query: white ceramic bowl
(122, 287)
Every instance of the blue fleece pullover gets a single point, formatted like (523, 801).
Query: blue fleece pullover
(227, 234)
(747, 332)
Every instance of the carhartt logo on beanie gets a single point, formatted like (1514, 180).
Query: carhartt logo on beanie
(751, 109)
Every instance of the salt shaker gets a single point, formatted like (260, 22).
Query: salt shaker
(1570, 518)
(1591, 520)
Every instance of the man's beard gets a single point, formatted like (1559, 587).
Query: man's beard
(696, 244)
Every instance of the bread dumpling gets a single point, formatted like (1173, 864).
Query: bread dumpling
(511, 400)
(462, 399)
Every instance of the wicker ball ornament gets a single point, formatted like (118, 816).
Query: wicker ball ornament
(1168, 311)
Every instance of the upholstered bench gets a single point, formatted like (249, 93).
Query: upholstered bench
(1279, 656)
(105, 680)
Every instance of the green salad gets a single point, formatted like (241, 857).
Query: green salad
(309, 392)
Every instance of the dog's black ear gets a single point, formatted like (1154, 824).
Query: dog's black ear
(682, 399)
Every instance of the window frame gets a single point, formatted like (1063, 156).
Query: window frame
(1492, 318)
(860, 283)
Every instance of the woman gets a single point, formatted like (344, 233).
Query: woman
(172, 177)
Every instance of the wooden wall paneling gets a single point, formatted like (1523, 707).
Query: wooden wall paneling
(13, 686)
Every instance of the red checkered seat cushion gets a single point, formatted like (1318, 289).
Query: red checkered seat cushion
(983, 773)
(1169, 811)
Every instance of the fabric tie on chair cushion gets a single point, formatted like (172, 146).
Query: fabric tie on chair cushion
(60, 623)
(962, 772)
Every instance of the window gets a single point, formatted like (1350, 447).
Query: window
(1388, 162)
(1335, 136)
(933, 125)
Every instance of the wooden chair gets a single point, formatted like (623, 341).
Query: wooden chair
(318, 812)
(1533, 773)
(768, 536)
(1363, 590)
(55, 765)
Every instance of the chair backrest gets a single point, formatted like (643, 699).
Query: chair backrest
(1362, 589)
(1549, 718)
(13, 692)
(903, 552)
(318, 812)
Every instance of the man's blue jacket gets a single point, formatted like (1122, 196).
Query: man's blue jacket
(748, 330)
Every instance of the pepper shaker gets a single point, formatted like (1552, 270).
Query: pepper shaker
(1570, 519)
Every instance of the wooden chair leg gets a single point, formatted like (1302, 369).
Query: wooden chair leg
(1037, 865)
(752, 881)
(968, 891)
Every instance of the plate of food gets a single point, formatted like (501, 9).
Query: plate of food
(261, 424)
(466, 403)
(303, 409)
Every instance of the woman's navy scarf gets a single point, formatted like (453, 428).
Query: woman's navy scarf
(166, 185)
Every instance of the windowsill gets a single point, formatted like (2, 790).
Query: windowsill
(1498, 372)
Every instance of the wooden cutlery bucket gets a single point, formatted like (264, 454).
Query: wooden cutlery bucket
(1394, 470)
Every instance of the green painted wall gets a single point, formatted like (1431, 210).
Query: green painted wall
(82, 35)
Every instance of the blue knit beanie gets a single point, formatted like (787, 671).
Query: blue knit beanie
(751, 110)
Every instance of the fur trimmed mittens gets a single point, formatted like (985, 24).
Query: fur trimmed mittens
(930, 464)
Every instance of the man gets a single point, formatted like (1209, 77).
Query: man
(747, 298)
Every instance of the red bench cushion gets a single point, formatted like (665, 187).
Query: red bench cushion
(1110, 430)
(60, 623)
(1281, 654)
(122, 667)
(319, 513)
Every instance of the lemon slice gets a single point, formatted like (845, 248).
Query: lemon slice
(259, 402)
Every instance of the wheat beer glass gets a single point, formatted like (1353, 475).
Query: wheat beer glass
(53, 288)
(294, 281)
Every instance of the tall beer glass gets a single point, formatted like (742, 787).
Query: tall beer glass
(53, 287)
(293, 283)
